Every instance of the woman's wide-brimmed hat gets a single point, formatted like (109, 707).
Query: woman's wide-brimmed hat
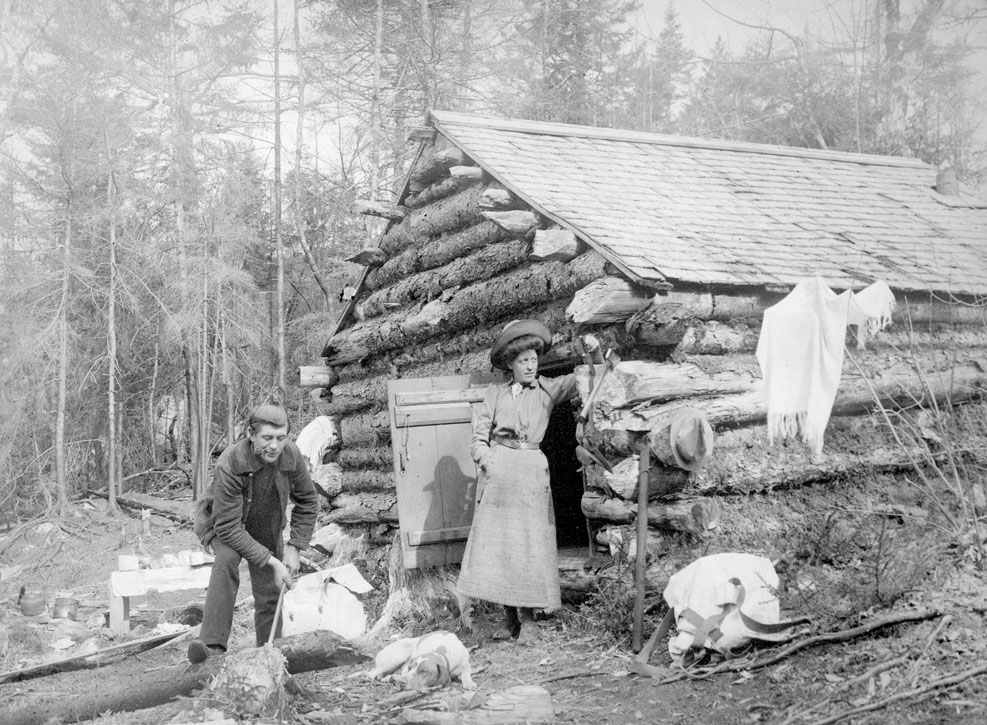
(512, 331)
(691, 438)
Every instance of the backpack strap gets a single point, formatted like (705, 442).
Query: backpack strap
(709, 627)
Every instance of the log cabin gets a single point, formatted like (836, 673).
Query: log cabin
(669, 250)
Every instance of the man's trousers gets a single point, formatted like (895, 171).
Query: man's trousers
(217, 618)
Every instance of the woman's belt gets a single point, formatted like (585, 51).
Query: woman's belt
(515, 443)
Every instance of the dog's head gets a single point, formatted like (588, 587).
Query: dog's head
(425, 671)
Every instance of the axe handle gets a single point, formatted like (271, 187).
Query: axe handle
(608, 366)
(277, 614)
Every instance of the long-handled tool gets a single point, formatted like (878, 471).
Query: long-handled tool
(277, 614)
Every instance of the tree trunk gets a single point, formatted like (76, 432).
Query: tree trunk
(113, 482)
(155, 679)
(280, 378)
(299, 137)
(61, 473)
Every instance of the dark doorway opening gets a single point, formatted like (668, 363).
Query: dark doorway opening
(559, 447)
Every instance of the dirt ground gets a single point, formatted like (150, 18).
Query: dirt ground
(896, 674)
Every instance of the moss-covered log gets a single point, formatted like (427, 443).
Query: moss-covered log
(344, 405)
(435, 165)
(367, 481)
(438, 190)
(365, 458)
(366, 429)
(363, 508)
(447, 248)
(466, 308)
(482, 264)
(453, 212)
(452, 346)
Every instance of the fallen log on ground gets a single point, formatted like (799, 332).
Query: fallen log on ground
(153, 679)
(746, 663)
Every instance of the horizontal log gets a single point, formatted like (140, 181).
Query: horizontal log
(480, 265)
(436, 165)
(343, 405)
(623, 480)
(441, 189)
(423, 223)
(316, 376)
(635, 382)
(379, 458)
(890, 381)
(378, 209)
(912, 308)
(366, 429)
(452, 347)
(607, 300)
(363, 508)
(559, 245)
(461, 242)
(368, 482)
(465, 308)
(696, 516)
(442, 251)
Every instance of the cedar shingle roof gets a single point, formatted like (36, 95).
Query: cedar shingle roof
(667, 208)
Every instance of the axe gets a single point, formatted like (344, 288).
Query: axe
(610, 361)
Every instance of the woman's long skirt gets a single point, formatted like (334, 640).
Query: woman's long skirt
(511, 556)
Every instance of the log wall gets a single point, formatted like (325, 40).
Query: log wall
(458, 267)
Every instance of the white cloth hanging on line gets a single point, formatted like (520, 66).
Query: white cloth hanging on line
(800, 351)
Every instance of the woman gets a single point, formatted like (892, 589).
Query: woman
(511, 555)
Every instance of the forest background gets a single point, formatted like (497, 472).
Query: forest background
(176, 177)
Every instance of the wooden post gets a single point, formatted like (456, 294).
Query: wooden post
(641, 559)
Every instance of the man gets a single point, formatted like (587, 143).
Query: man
(252, 483)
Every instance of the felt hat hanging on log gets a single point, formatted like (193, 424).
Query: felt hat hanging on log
(512, 331)
(691, 438)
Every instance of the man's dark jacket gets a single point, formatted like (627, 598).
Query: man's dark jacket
(232, 493)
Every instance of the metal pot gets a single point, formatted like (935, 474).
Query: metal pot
(65, 608)
(31, 600)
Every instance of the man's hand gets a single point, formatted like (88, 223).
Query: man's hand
(291, 559)
(282, 576)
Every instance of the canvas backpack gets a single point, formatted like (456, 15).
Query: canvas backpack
(721, 602)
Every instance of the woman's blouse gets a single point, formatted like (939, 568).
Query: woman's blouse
(513, 410)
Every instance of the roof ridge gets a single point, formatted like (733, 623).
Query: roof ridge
(445, 118)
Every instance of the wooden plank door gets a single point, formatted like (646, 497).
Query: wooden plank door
(431, 427)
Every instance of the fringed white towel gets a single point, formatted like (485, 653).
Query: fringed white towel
(800, 351)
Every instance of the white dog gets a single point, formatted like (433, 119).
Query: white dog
(431, 660)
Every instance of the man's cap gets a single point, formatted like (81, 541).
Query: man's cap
(512, 331)
(270, 414)
(691, 438)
